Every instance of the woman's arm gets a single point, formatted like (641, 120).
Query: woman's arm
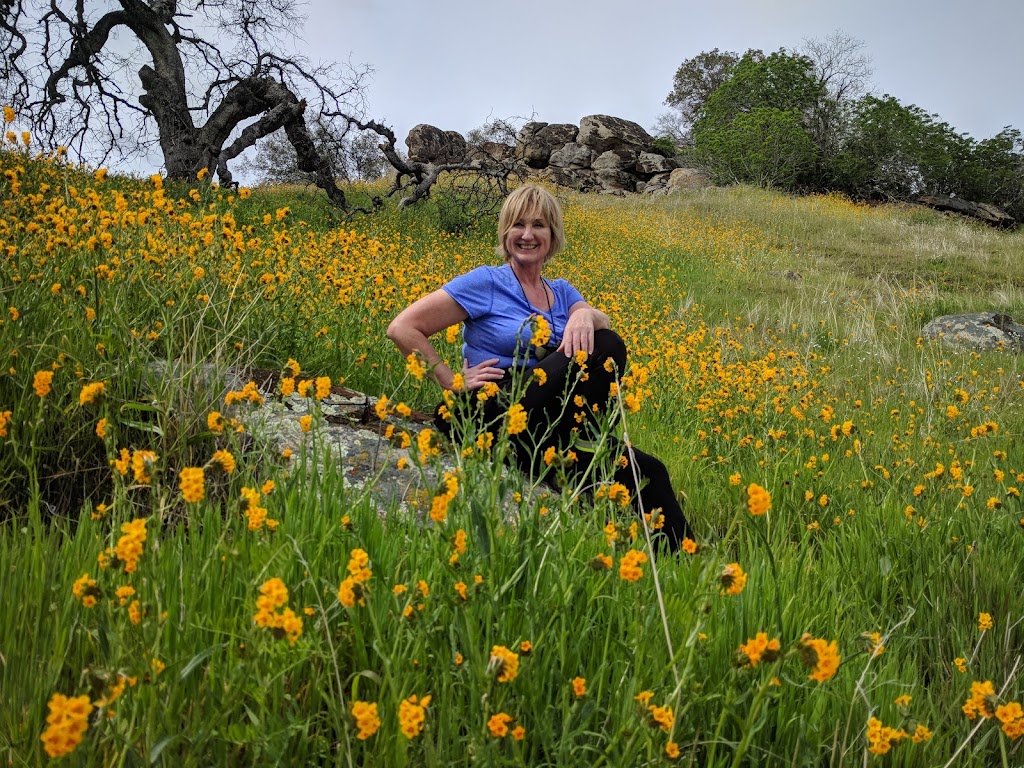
(412, 328)
(579, 331)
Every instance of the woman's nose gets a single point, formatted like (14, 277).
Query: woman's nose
(528, 233)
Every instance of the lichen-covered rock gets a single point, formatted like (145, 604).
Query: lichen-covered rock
(429, 144)
(615, 160)
(490, 153)
(580, 179)
(603, 132)
(650, 163)
(688, 178)
(572, 155)
(616, 182)
(978, 330)
(536, 141)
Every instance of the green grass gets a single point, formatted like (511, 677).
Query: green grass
(816, 389)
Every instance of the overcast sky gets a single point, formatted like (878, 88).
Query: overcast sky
(453, 63)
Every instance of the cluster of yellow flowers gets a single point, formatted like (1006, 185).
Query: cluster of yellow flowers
(516, 419)
(66, 724)
(759, 648)
(129, 547)
(498, 725)
(504, 663)
(354, 587)
(984, 702)
(820, 656)
(249, 393)
(656, 716)
(254, 513)
(540, 331)
(192, 483)
(86, 591)
(284, 622)
(629, 565)
(733, 579)
(91, 392)
(439, 504)
(412, 716)
(365, 715)
(759, 501)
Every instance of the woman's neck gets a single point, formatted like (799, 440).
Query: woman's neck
(529, 275)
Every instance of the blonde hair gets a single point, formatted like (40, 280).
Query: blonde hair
(525, 201)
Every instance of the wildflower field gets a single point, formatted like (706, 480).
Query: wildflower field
(176, 593)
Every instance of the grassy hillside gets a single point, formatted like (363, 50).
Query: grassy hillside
(201, 601)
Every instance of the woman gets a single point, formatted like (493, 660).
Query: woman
(497, 305)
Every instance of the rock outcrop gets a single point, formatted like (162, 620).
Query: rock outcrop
(601, 154)
(978, 330)
(428, 144)
(981, 211)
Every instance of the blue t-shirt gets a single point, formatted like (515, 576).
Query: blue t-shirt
(499, 314)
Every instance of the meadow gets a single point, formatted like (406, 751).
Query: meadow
(176, 593)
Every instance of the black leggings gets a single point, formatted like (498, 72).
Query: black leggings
(552, 417)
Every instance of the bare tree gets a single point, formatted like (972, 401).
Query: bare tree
(205, 75)
(843, 67)
(841, 63)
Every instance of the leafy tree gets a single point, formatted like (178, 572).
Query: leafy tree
(994, 172)
(898, 152)
(765, 146)
(695, 81)
(759, 112)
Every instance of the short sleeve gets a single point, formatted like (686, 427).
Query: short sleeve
(473, 291)
(570, 294)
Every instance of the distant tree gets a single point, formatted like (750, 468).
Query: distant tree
(844, 69)
(767, 99)
(994, 173)
(694, 82)
(672, 125)
(354, 155)
(498, 130)
(366, 161)
(766, 146)
(841, 64)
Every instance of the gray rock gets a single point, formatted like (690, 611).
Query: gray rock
(580, 179)
(603, 132)
(615, 160)
(490, 153)
(616, 182)
(989, 214)
(536, 141)
(572, 155)
(688, 178)
(656, 185)
(649, 163)
(429, 144)
(979, 330)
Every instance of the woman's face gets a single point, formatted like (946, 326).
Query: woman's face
(529, 239)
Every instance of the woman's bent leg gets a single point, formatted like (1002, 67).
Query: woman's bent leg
(656, 492)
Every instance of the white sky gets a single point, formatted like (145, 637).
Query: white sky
(452, 63)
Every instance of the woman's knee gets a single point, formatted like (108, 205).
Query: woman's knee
(608, 344)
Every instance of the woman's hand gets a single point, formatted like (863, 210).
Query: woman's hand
(579, 333)
(481, 373)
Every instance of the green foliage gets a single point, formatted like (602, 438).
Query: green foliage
(765, 146)
(780, 81)
(665, 146)
(752, 126)
(699, 77)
